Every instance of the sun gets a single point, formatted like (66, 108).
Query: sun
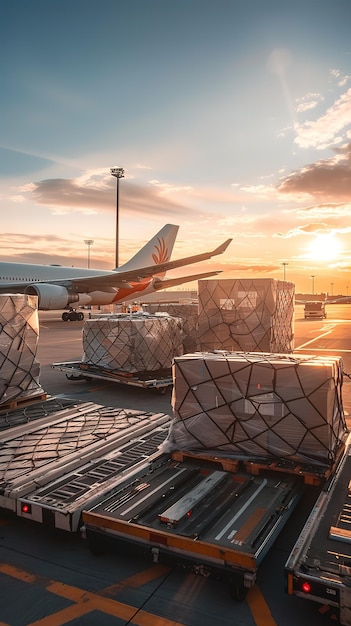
(325, 248)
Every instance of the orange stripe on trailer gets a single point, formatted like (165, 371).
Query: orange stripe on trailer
(126, 530)
(247, 528)
(290, 584)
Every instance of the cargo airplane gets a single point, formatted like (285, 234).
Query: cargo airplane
(58, 287)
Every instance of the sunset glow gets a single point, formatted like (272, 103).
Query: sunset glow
(325, 248)
(231, 121)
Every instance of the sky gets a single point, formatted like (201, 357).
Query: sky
(230, 118)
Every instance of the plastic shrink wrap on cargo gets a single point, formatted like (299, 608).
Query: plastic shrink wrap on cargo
(188, 313)
(253, 315)
(19, 336)
(258, 405)
(132, 343)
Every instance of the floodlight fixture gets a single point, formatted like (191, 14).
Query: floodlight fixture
(313, 277)
(284, 264)
(89, 242)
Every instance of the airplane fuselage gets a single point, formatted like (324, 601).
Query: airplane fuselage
(61, 287)
(31, 279)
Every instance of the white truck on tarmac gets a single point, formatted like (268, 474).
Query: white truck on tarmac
(315, 309)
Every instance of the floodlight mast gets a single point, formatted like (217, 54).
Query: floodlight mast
(89, 242)
(117, 172)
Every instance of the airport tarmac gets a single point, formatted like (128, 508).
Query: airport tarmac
(50, 578)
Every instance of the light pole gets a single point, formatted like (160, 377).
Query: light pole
(117, 172)
(89, 242)
(347, 290)
(284, 266)
(332, 288)
(313, 284)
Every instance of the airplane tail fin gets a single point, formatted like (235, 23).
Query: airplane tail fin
(157, 250)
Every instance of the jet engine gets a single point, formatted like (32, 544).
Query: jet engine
(52, 297)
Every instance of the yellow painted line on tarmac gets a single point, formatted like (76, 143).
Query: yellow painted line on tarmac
(14, 572)
(259, 608)
(307, 343)
(143, 577)
(147, 619)
(65, 616)
(86, 602)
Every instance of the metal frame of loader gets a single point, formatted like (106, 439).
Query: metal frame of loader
(77, 370)
(196, 514)
(319, 565)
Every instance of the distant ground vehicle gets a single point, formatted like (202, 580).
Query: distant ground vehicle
(315, 309)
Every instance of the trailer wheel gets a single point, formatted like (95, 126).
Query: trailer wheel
(80, 316)
(163, 390)
(65, 316)
(239, 592)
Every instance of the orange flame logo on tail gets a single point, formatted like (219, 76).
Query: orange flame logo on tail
(161, 252)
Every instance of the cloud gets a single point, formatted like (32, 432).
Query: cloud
(329, 179)
(325, 130)
(308, 101)
(258, 268)
(341, 79)
(313, 228)
(17, 198)
(50, 248)
(333, 212)
(95, 191)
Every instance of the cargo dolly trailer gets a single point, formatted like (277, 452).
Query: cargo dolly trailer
(197, 515)
(319, 565)
(53, 466)
(34, 410)
(60, 503)
(77, 370)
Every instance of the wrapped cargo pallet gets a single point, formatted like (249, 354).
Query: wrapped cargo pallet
(258, 405)
(19, 336)
(253, 315)
(188, 313)
(132, 343)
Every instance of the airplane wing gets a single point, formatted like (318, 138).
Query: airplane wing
(121, 278)
(173, 282)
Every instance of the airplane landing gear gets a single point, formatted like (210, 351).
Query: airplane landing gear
(72, 316)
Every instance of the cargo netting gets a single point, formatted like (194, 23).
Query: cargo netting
(258, 405)
(57, 439)
(19, 336)
(132, 343)
(189, 315)
(254, 315)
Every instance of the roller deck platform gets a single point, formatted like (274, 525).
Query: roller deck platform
(319, 566)
(196, 515)
(63, 460)
(77, 370)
